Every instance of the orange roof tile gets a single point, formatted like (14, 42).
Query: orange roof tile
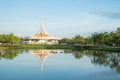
(41, 35)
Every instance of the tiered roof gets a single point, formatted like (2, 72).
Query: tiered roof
(43, 34)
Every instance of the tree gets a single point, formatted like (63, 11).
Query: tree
(101, 39)
(10, 39)
(88, 40)
(78, 39)
(66, 41)
(117, 37)
(96, 38)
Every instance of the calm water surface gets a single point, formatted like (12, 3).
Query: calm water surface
(59, 65)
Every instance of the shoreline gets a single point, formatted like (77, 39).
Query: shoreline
(45, 46)
(29, 46)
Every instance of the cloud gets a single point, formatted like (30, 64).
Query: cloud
(109, 14)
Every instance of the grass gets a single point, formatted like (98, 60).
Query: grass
(114, 49)
(45, 46)
(1, 48)
(40, 46)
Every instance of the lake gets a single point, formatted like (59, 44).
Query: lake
(59, 65)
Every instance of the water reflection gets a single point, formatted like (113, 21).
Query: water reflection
(43, 54)
(9, 53)
(102, 58)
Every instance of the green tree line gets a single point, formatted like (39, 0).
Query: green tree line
(97, 39)
(10, 39)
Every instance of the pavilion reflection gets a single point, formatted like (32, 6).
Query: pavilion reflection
(43, 54)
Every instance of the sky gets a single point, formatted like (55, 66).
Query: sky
(63, 18)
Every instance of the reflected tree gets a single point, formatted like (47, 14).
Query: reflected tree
(10, 53)
(104, 58)
(78, 54)
(97, 57)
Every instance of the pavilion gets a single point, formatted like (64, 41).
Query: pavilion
(42, 37)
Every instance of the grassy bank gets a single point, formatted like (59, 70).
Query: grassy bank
(114, 49)
(44, 46)
(1, 48)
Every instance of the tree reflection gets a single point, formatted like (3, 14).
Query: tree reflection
(77, 54)
(102, 58)
(9, 53)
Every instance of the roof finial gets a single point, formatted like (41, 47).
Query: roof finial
(43, 30)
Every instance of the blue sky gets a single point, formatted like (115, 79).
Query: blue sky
(63, 18)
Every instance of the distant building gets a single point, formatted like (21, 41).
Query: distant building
(42, 37)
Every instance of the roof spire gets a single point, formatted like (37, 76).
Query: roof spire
(43, 30)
